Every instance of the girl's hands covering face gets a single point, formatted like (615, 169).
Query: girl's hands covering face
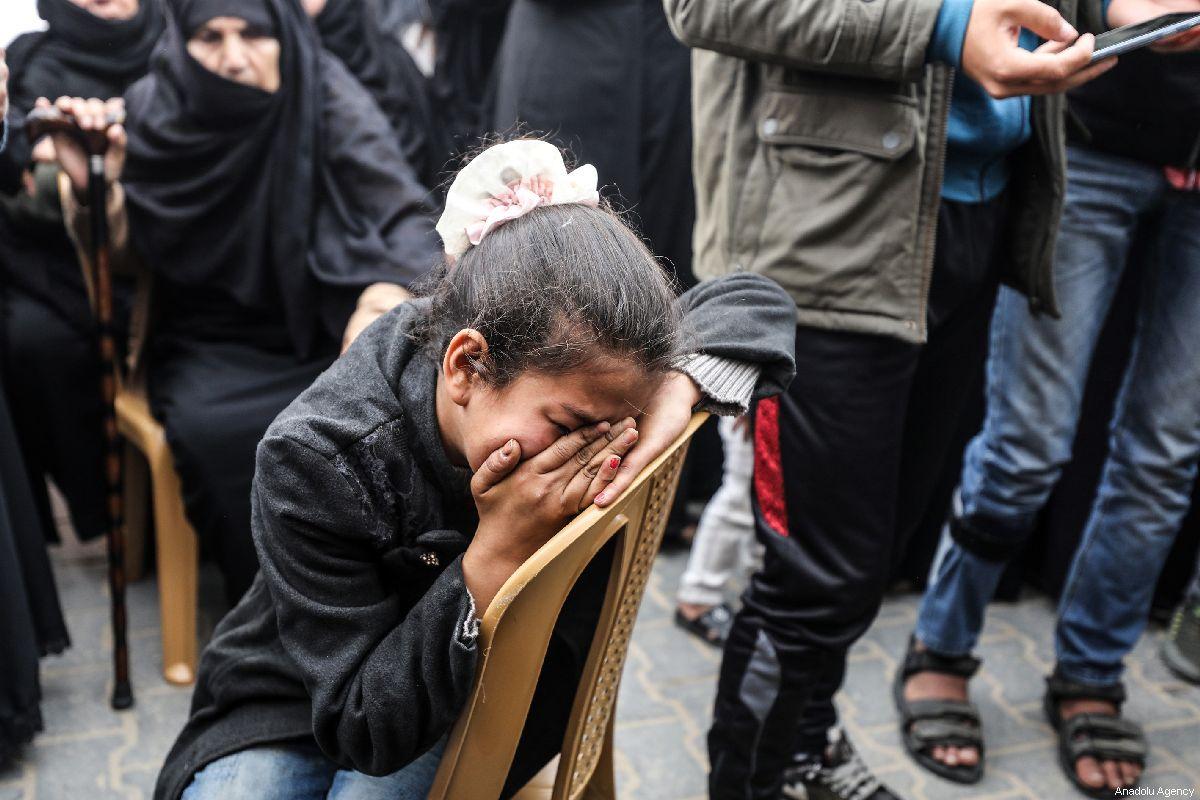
(538, 495)
(522, 504)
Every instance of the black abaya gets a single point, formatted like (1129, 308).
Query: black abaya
(46, 327)
(53, 376)
(31, 623)
(217, 399)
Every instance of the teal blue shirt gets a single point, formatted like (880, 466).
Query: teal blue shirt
(982, 130)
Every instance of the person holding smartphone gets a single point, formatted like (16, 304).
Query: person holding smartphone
(1132, 176)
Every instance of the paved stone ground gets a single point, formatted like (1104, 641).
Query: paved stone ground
(88, 751)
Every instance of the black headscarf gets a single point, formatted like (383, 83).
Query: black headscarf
(194, 14)
(79, 54)
(349, 30)
(286, 204)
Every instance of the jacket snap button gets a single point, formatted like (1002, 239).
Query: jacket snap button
(770, 127)
(891, 140)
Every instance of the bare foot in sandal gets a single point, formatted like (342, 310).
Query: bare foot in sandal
(1099, 749)
(1098, 774)
(940, 686)
(940, 727)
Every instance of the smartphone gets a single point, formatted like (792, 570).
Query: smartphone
(1131, 37)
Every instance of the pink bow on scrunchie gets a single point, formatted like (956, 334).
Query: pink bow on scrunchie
(513, 202)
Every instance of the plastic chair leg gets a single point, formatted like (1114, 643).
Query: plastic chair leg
(178, 567)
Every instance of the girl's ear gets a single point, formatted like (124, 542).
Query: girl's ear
(466, 349)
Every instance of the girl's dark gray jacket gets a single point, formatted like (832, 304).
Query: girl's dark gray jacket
(357, 631)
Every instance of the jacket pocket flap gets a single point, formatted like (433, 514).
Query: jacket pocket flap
(883, 126)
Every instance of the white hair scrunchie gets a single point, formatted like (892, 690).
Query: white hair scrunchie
(505, 182)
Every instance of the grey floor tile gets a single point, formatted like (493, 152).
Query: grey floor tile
(88, 751)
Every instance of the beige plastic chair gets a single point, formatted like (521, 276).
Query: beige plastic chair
(515, 633)
(152, 482)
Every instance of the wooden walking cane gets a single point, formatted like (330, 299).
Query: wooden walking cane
(40, 122)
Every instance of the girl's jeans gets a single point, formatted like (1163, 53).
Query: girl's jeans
(1037, 367)
(300, 771)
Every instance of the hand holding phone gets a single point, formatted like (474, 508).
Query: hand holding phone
(993, 57)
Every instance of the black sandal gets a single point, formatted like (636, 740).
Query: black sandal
(712, 626)
(926, 724)
(1104, 737)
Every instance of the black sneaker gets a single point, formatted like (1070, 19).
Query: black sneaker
(1181, 648)
(841, 775)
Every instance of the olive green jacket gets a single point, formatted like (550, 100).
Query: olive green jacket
(820, 137)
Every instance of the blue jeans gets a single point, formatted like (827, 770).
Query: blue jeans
(300, 771)
(1036, 371)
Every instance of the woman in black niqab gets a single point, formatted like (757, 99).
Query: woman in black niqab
(286, 203)
(264, 216)
(31, 622)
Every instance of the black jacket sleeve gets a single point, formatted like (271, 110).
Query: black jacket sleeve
(744, 320)
(386, 681)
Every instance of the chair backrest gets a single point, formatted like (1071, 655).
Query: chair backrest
(515, 633)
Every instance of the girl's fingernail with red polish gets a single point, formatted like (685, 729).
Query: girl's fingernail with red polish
(614, 462)
(601, 499)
